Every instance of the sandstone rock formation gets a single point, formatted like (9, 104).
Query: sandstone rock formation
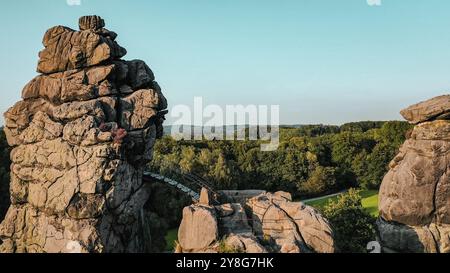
(82, 135)
(415, 194)
(261, 223)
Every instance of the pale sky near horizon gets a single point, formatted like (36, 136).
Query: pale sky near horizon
(322, 61)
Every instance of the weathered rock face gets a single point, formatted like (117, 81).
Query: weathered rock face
(200, 223)
(67, 49)
(82, 135)
(263, 223)
(433, 109)
(293, 226)
(415, 194)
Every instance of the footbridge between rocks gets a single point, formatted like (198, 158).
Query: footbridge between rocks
(184, 185)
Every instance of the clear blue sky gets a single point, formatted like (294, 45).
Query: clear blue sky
(322, 61)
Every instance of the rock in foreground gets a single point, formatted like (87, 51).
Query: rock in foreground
(263, 223)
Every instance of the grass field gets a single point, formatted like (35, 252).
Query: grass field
(369, 201)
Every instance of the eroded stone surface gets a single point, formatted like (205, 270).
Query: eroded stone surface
(82, 135)
(268, 223)
(67, 49)
(415, 193)
(244, 243)
(199, 228)
(293, 226)
(435, 108)
(93, 22)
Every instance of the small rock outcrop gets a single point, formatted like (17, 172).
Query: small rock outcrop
(254, 222)
(415, 194)
(82, 136)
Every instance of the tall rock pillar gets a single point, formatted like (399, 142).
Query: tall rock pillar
(82, 136)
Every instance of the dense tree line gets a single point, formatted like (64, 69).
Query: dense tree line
(311, 160)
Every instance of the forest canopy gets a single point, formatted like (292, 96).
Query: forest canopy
(311, 160)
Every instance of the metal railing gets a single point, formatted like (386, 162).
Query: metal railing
(190, 178)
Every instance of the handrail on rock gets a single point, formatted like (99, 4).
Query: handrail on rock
(150, 177)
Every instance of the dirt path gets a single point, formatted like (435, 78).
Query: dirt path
(325, 196)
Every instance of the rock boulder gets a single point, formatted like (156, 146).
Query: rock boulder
(263, 223)
(199, 229)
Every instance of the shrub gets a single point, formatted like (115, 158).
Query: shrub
(353, 226)
(224, 248)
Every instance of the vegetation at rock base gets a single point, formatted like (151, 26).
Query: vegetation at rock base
(166, 205)
(225, 248)
(353, 225)
(171, 239)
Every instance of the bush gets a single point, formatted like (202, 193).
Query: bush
(224, 248)
(353, 226)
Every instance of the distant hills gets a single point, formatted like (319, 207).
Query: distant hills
(313, 129)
